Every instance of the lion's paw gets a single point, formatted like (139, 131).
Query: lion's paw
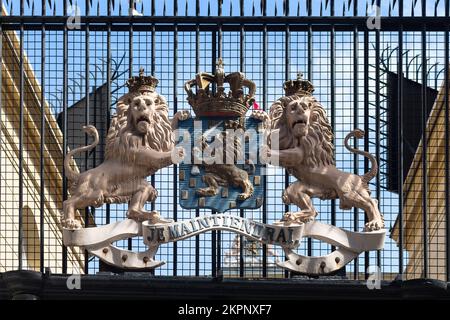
(138, 215)
(259, 115)
(307, 219)
(285, 198)
(265, 154)
(153, 195)
(374, 225)
(178, 154)
(71, 223)
(244, 196)
(142, 215)
(303, 216)
(156, 218)
(207, 192)
(289, 216)
(183, 115)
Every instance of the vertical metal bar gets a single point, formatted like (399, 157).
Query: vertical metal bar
(219, 54)
(400, 145)
(197, 70)
(219, 44)
(213, 252)
(356, 121)
(108, 94)
(130, 71)
(447, 152)
(333, 106)
(65, 83)
(286, 78)
(21, 128)
(42, 149)
(175, 109)
(355, 125)
(310, 76)
(214, 233)
(366, 126)
(219, 251)
(424, 153)
(377, 121)
(86, 121)
(87, 90)
(153, 66)
(130, 40)
(264, 217)
(241, 69)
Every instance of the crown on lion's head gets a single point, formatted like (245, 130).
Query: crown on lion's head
(300, 86)
(142, 82)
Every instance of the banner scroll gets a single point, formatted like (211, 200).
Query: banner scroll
(99, 240)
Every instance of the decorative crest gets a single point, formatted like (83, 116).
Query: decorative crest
(300, 86)
(142, 82)
(215, 101)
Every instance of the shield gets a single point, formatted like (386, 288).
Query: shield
(236, 184)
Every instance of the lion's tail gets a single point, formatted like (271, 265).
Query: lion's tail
(70, 174)
(358, 133)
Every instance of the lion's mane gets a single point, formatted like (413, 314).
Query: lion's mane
(123, 140)
(317, 144)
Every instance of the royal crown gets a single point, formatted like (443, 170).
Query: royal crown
(207, 101)
(300, 86)
(142, 82)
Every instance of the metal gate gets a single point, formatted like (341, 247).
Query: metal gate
(378, 65)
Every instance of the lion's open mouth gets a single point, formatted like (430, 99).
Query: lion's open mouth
(299, 121)
(143, 118)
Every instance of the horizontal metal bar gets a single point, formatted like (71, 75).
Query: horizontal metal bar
(225, 28)
(387, 23)
(223, 19)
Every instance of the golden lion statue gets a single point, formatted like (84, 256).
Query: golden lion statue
(306, 150)
(139, 143)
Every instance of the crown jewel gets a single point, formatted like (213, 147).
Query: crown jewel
(300, 86)
(206, 101)
(142, 82)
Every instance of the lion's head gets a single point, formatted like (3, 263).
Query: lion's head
(302, 122)
(141, 121)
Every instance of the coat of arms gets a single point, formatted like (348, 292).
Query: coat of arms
(219, 153)
(223, 172)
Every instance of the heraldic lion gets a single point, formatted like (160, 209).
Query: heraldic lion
(139, 142)
(224, 174)
(306, 150)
